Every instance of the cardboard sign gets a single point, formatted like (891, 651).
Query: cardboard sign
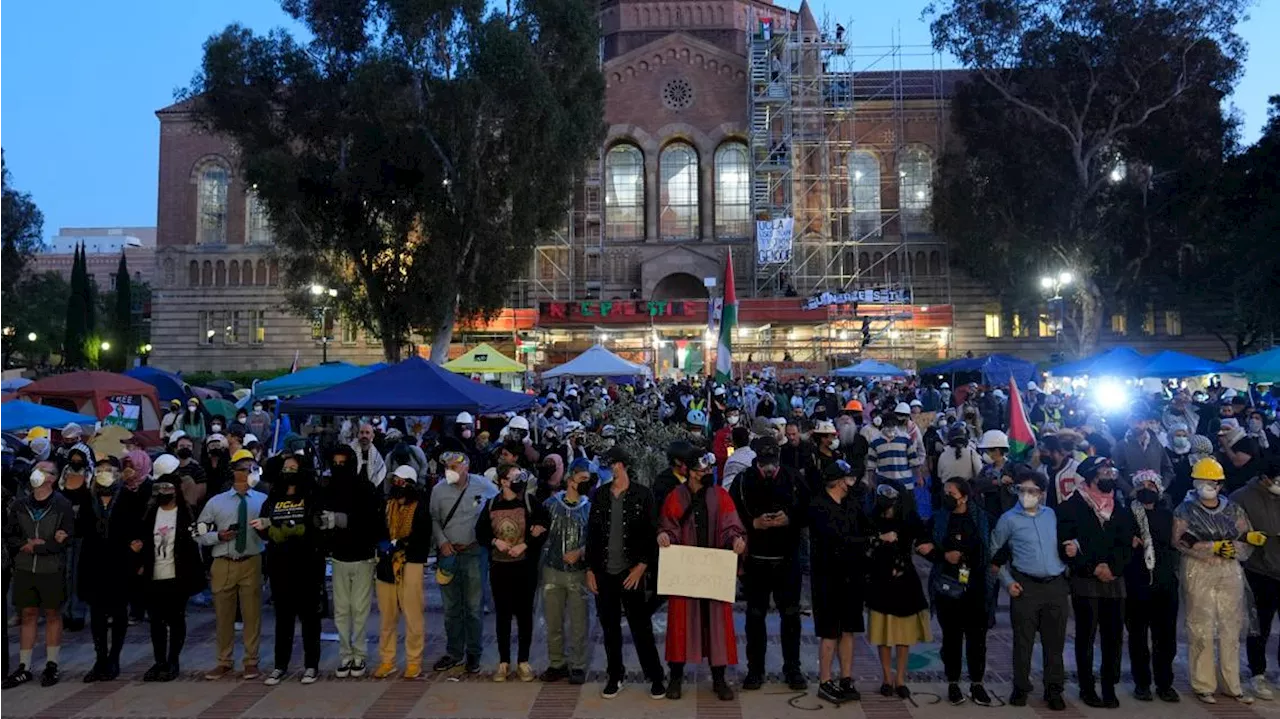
(698, 573)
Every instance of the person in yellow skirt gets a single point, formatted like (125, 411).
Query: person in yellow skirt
(898, 613)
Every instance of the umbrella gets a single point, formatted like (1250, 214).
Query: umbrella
(870, 368)
(21, 414)
(169, 386)
(223, 386)
(14, 384)
(220, 406)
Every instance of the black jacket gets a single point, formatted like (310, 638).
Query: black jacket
(188, 565)
(639, 529)
(1138, 580)
(662, 486)
(106, 561)
(755, 496)
(838, 536)
(418, 545)
(361, 504)
(1110, 543)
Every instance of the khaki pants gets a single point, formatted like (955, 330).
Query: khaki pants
(403, 597)
(241, 582)
(1214, 592)
(352, 595)
(565, 593)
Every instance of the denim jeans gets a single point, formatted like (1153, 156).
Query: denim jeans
(463, 619)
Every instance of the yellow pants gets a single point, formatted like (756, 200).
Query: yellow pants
(232, 583)
(1213, 592)
(403, 597)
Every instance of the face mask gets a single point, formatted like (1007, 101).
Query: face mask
(733, 418)
(519, 435)
(557, 414)
(1106, 485)
(257, 408)
(1028, 500)
(289, 475)
(877, 421)
(451, 476)
(215, 427)
(184, 453)
(1207, 490)
(519, 487)
(191, 408)
(466, 434)
(76, 464)
(1148, 496)
(1274, 489)
(1182, 445)
(38, 479)
(950, 503)
(242, 418)
(167, 497)
(884, 502)
(835, 443)
(255, 476)
(1255, 425)
(104, 479)
(400, 491)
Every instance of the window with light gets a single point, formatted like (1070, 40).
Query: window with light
(915, 188)
(212, 205)
(678, 213)
(624, 193)
(864, 178)
(257, 229)
(733, 192)
(992, 321)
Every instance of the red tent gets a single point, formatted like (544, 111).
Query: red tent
(112, 398)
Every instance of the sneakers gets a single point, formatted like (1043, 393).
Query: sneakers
(1056, 702)
(850, 692)
(384, 670)
(445, 664)
(1262, 688)
(554, 674)
(250, 672)
(795, 682)
(753, 681)
(1018, 698)
(1242, 698)
(657, 689)
(310, 675)
(275, 677)
(1109, 698)
(1090, 697)
(979, 695)
(357, 668)
(217, 672)
(1206, 697)
(954, 695)
(413, 670)
(500, 674)
(19, 677)
(472, 665)
(524, 672)
(577, 677)
(829, 691)
(50, 675)
(1143, 694)
(612, 688)
(1168, 694)
(97, 674)
(155, 673)
(344, 669)
(723, 691)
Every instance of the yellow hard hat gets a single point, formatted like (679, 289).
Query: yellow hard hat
(246, 454)
(37, 433)
(1208, 468)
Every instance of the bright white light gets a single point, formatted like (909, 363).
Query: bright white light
(1046, 282)
(333, 292)
(919, 194)
(924, 308)
(106, 346)
(1117, 173)
(1065, 278)
(1111, 395)
(317, 290)
(31, 336)
(844, 334)
(894, 334)
(857, 175)
(604, 336)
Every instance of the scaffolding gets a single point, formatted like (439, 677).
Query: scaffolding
(830, 148)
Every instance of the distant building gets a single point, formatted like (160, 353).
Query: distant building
(103, 246)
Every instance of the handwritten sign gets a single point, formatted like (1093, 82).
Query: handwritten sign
(697, 572)
(871, 296)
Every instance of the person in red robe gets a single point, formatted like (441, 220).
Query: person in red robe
(700, 514)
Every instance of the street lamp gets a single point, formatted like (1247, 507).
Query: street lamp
(32, 337)
(1054, 284)
(325, 294)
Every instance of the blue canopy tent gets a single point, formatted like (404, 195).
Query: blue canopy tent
(169, 386)
(870, 368)
(1260, 367)
(996, 369)
(955, 366)
(21, 414)
(1118, 361)
(415, 386)
(1177, 364)
(311, 379)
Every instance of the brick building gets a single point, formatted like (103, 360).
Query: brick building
(718, 114)
(103, 247)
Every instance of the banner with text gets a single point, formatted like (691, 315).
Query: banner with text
(869, 296)
(773, 240)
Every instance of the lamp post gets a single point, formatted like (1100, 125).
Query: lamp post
(144, 353)
(325, 295)
(1054, 284)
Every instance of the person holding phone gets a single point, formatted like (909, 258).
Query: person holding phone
(229, 524)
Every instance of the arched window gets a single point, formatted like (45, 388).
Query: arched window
(273, 278)
(864, 263)
(206, 274)
(922, 265)
(891, 265)
(257, 230)
(261, 279)
(915, 190)
(733, 192)
(624, 193)
(678, 211)
(211, 204)
(877, 264)
(220, 274)
(935, 263)
(233, 276)
(193, 274)
(864, 176)
(170, 273)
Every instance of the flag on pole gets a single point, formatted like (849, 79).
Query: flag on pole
(728, 322)
(1021, 437)
(294, 367)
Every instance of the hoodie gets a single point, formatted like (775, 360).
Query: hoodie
(1263, 509)
(568, 532)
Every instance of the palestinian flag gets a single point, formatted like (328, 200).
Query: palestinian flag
(1021, 436)
(728, 322)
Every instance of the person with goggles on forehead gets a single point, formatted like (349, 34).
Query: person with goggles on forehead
(1097, 535)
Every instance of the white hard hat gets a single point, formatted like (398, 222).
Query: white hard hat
(407, 473)
(944, 385)
(824, 427)
(464, 418)
(552, 397)
(571, 392)
(917, 403)
(719, 391)
(902, 408)
(1031, 386)
(518, 423)
(164, 464)
(249, 438)
(993, 439)
(176, 435)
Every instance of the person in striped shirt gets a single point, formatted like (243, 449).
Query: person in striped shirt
(892, 457)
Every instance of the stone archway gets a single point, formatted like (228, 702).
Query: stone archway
(680, 286)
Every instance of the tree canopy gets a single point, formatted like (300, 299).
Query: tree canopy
(1091, 135)
(21, 225)
(413, 152)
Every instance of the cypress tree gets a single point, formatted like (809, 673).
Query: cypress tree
(74, 334)
(124, 315)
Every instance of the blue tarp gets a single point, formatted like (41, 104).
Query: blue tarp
(1118, 361)
(311, 379)
(870, 368)
(21, 414)
(1261, 367)
(996, 369)
(169, 386)
(415, 386)
(1177, 364)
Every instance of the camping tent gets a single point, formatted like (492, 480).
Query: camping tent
(169, 386)
(1177, 364)
(483, 359)
(415, 386)
(1260, 367)
(996, 369)
(14, 384)
(1118, 361)
(597, 362)
(311, 379)
(113, 398)
(21, 414)
(870, 368)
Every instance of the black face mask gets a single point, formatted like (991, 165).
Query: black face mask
(950, 503)
(184, 453)
(1148, 496)
(519, 487)
(166, 498)
(401, 491)
(545, 474)
(76, 464)
(883, 502)
(1106, 485)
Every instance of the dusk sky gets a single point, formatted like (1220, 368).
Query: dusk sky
(82, 81)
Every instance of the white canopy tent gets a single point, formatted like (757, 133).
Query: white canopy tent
(597, 362)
